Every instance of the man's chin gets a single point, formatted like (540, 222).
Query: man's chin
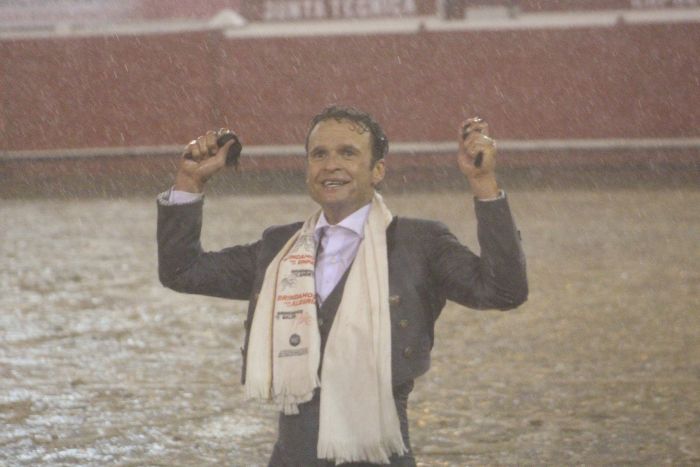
(331, 204)
(334, 207)
(331, 197)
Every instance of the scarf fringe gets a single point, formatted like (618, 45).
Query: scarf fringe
(378, 453)
(257, 391)
(287, 401)
(291, 396)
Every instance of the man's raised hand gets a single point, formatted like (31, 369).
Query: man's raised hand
(477, 157)
(201, 159)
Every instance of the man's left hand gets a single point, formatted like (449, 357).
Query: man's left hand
(477, 158)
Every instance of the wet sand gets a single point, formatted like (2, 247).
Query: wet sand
(100, 365)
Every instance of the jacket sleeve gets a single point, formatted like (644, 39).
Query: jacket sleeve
(183, 265)
(497, 279)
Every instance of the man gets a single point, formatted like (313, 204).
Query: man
(342, 306)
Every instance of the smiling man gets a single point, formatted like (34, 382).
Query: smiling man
(342, 306)
(342, 169)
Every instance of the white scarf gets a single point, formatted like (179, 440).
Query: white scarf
(358, 420)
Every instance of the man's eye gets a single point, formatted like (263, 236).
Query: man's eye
(317, 155)
(347, 152)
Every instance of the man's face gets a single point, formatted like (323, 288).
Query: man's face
(339, 172)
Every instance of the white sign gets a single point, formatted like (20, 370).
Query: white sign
(18, 13)
(664, 3)
(279, 10)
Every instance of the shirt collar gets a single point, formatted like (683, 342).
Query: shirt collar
(355, 222)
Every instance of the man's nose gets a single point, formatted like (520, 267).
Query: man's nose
(333, 161)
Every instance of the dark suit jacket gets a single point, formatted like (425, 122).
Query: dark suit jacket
(427, 266)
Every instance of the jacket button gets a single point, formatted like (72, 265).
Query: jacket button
(407, 352)
(320, 321)
(403, 324)
(394, 300)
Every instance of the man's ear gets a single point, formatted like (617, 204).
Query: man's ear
(378, 172)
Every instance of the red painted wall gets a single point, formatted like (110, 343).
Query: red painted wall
(627, 81)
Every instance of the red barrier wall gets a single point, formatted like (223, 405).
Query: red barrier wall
(628, 81)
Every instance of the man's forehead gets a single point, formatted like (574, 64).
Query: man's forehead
(338, 132)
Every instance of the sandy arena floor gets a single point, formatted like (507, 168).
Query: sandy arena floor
(100, 365)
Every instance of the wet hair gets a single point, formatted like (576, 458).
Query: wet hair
(380, 144)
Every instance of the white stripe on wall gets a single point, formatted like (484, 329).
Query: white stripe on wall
(381, 26)
(438, 147)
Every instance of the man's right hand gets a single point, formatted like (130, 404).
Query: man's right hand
(201, 159)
